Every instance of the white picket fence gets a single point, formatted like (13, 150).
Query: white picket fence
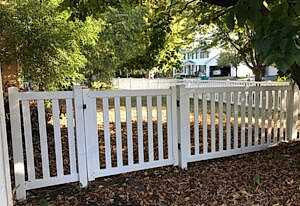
(92, 134)
(144, 83)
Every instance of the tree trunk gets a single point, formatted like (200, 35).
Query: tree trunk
(10, 75)
(259, 72)
(295, 73)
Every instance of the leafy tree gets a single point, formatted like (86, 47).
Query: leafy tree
(40, 38)
(120, 40)
(276, 26)
(135, 35)
(229, 58)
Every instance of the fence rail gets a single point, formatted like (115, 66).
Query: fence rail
(143, 83)
(80, 135)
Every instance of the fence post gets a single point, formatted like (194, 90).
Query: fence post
(292, 113)
(183, 122)
(16, 136)
(80, 136)
(5, 183)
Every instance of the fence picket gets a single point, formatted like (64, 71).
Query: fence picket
(270, 103)
(118, 132)
(249, 122)
(140, 129)
(159, 128)
(263, 114)
(256, 116)
(275, 135)
(57, 138)
(204, 120)
(228, 120)
(196, 123)
(71, 136)
(129, 131)
(243, 114)
(221, 137)
(285, 109)
(28, 140)
(236, 119)
(43, 139)
(107, 141)
(281, 134)
(170, 130)
(150, 128)
(212, 116)
(175, 114)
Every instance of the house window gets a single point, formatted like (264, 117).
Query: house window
(201, 55)
(204, 55)
(202, 68)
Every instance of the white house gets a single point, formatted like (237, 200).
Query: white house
(200, 63)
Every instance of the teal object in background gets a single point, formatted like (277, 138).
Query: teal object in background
(204, 78)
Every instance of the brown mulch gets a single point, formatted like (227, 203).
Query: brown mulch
(270, 177)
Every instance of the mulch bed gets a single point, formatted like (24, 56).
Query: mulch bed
(270, 177)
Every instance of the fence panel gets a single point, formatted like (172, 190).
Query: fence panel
(129, 130)
(48, 140)
(242, 128)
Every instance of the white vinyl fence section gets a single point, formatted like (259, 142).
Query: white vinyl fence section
(80, 135)
(144, 83)
(219, 128)
(135, 155)
(31, 106)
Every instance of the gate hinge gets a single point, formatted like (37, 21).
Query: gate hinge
(84, 106)
(179, 147)
(178, 103)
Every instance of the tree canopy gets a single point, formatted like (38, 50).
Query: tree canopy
(47, 46)
(276, 27)
(230, 58)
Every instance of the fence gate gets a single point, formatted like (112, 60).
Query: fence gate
(128, 130)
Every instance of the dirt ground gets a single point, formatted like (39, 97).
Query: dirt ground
(270, 177)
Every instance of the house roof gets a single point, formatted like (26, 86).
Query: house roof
(187, 62)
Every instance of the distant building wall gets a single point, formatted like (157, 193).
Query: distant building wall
(271, 71)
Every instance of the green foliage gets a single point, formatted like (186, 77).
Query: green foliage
(42, 40)
(282, 79)
(257, 180)
(229, 58)
(120, 40)
(276, 26)
(134, 38)
(44, 202)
